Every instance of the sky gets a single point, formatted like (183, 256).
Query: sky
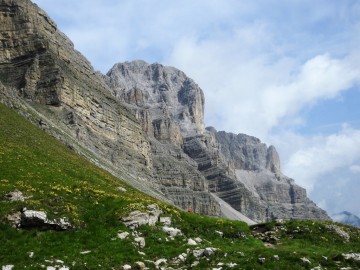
(285, 71)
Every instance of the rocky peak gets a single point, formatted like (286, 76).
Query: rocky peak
(273, 160)
(168, 103)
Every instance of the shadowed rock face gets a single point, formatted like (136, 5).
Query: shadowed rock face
(142, 122)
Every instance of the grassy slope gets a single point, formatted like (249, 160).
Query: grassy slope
(64, 184)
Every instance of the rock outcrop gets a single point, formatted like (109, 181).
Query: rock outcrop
(143, 123)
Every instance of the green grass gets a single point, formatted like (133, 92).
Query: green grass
(65, 185)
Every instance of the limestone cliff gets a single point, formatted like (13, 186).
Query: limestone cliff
(238, 168)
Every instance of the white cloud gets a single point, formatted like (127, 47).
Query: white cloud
(324, 155)
(247, 92)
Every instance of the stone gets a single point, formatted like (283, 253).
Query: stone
(339, 231)
(165, 220)
(172, 231)
(305, 261)
(31, 219)
(126, 267)
(160, 261)
(221, 234)
(191, 242)
(123, 235)
(209, 251)
(276, 257)
(122, 189)
(16, 195)
(139, 265)
(182, 257)
(7, 267)
(198, 240)
(231, 265)
(261, 260)
(85, 252)
(195, 263)
(138, 218)
(351, 256)
(140, 242)
(14, 219)
(198, 252)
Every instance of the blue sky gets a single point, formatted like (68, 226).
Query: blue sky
(285, 71)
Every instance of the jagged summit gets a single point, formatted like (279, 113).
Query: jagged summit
(142, 122)
(172, 99)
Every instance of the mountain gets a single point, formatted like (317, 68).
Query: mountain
(347, 218)
(143, 123)
(238, 169)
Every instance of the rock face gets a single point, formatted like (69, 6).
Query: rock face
(143, 123)
(170, 107)
(238, 168)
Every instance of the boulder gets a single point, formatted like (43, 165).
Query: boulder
(305, 261)
(16, 195)
(351, 256)
(165, 220)
(123, 235)
(198, 252)
(191, 242)
(139, 265)
(140, 242)
(138, 218)
(31, 219)
(172, 231)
